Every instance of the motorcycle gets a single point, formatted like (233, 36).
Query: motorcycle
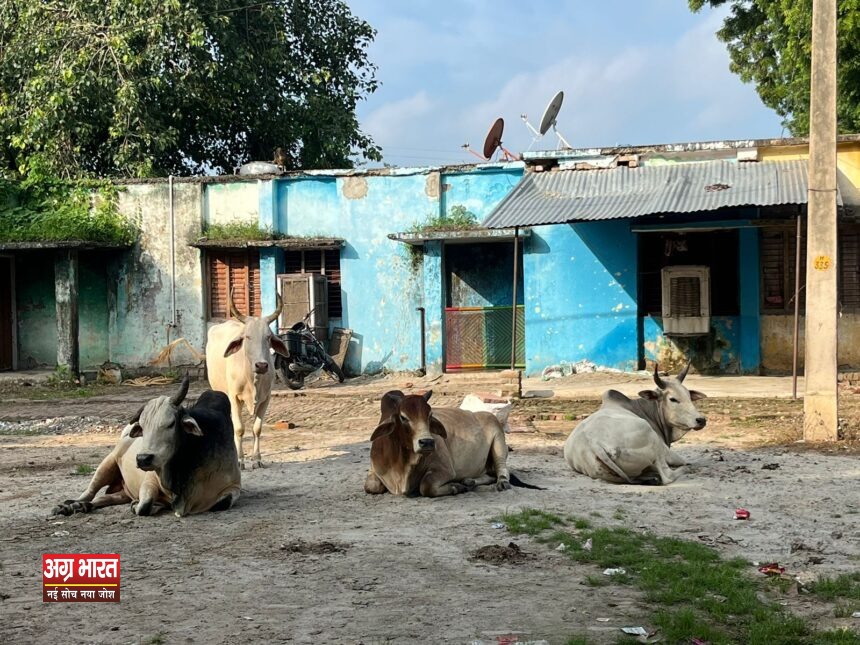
(307, 355)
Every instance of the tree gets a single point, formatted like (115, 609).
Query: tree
(770, 44)
(153, 87)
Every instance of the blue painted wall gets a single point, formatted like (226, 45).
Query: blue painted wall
(717, 352)
(580, 295)
(382, 285)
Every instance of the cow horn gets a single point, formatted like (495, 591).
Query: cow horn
(279, 307)
(660, 382)
(683, 373)
(233, 311)
(177, 398)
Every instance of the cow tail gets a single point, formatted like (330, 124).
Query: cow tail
(607, 461)
(516, 481)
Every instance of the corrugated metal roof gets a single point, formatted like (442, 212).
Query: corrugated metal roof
(585, 195)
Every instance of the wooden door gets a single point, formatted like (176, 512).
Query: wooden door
(7, 314)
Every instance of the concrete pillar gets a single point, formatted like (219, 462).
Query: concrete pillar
(750, 296)
(434, 305)
(66, 289)
(820, 402)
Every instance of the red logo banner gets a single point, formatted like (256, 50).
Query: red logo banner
(85, 577)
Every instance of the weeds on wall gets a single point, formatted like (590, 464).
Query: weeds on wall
(46, 209)
(238, 230)
(459, 218)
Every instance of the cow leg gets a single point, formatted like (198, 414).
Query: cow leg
(149, 493)
(259, 415)
(483, 480)
(667, 475)
(373, 484)
(226, 502)
(238, 429)
(674, 459)
(499, 453)
(107, 474)
(439, 484)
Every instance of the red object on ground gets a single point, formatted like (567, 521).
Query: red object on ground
(742, 514)
(772, 569)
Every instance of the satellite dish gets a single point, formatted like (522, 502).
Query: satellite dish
(551, 112)
(548, 120)
(493, 142)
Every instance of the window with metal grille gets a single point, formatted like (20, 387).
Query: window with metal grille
(236, 269)
(325, 262)
(686, 297)
(849, 268)
(777, 256)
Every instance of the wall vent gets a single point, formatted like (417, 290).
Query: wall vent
(686, 300)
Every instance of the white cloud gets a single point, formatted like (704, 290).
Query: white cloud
(634, 92)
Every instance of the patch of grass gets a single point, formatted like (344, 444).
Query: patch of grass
(619, 514)
(529, 521)
(595, 581)
(844, 610)
(577, 640)
(846, 585)
(697, 592)
(581, 524)
(459, 218)
(157, 639)
(84, 469)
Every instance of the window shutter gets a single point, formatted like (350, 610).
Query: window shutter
(773, 270)
(236, 270)
(849, 267)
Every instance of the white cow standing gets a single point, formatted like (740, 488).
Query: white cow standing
(628, 440)
(239, 362)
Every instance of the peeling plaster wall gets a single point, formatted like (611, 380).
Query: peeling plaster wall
(37, 309)
(230, 202)
(580, 295)
(380, 283)
(140, 301)
(717, 352)
(777, 338)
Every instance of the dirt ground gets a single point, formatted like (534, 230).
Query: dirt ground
(307, 557)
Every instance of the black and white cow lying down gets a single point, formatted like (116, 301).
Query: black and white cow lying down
(627, 441)
(169, 457)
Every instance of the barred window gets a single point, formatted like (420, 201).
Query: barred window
(237, 270)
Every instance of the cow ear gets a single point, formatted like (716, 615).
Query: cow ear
(382, 430)
(696, 395)
(134, 430)
(651, 395)
(426, 396)
(278, 345)
(189, 424)
(233, 347)
(436, 427)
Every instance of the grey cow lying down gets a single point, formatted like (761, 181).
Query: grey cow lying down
(627, 441)
(169, 457)
(443, 451)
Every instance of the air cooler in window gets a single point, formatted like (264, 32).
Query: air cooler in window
(686, 300)
(301, 293)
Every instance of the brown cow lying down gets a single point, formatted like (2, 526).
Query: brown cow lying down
(447, 452)
(169, 457)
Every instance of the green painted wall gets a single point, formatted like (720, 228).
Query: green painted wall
(37, 310)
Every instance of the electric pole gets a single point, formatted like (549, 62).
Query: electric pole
(820, 402)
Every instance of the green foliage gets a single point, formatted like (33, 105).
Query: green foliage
(151, 87)
(84, 469)
(770, 45)
(41, 209)
(237, 230)
(697, 593)
(457, 219)
(846, 585)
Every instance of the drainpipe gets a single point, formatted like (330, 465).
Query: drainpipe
(172, 254)
(421, 311)
(514, 324)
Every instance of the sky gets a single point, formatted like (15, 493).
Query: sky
(632, 71)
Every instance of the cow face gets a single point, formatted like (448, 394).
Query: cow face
(159, 424)
(677, 404)
(258, 342)
(411, 418)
